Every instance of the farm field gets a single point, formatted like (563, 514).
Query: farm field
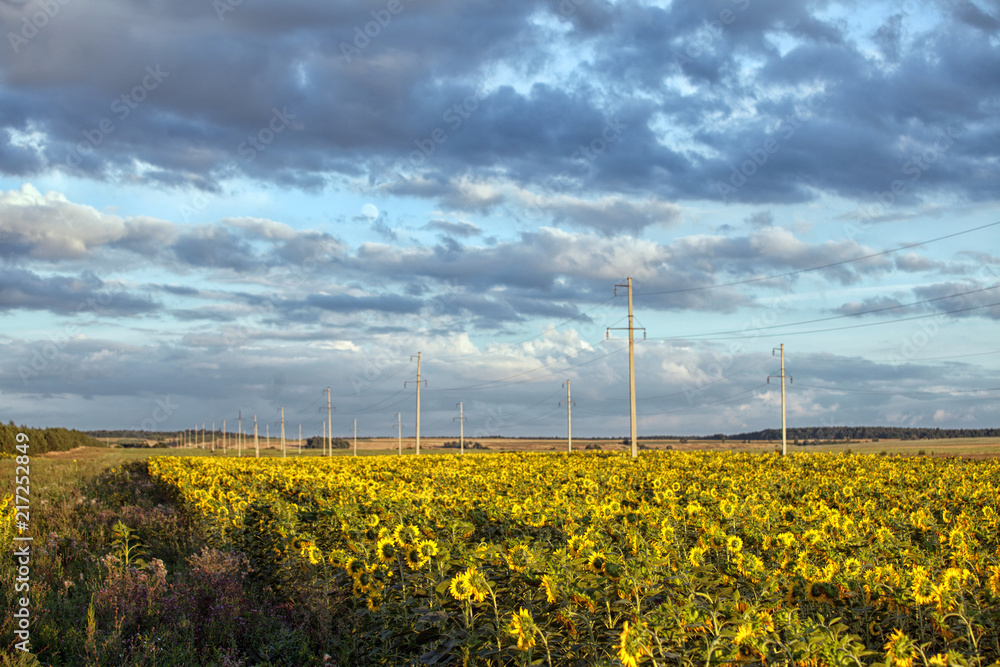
(597, 559)
(973, 447)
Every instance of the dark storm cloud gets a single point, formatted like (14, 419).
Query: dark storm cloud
(65, 295)
(346, 303)
(461, 228)
(297, 94)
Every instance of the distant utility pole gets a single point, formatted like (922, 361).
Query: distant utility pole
(417, 355)
(239, 437)
(329, 423)
(213, 437)
(355, 436)
(203, 435)
(256, 442)
(569, 419)
(784, 438)
(223, 436)
(631, 365)
(283, 455)
(461, 429)
(399, 423)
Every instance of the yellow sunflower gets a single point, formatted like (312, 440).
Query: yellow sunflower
(523, 627)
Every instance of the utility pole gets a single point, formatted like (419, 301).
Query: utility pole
(784, 438)
(283, 454)
(223, 436)
(355, 436)
(329, 421)
(399, 423)
(203, 434)
(631, 366)
(461, 429)
(213, 437)
(239, 438)
(417, 355)
(569, 419)
(256, 442)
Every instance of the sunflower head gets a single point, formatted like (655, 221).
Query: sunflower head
(354, 567)
(632, 644)
(478, 585)
(597, 562)
(427, 548)
(405, 535)
(523, 628)
(414, 559)
(387, 549)
(459, 587)
(519, 558)
(900, 650)
(551, 591)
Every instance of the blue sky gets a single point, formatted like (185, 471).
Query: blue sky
(223, 207)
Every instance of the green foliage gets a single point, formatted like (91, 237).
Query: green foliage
(44, 440)
(318, 442)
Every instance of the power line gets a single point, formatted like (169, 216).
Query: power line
(950, 392)
(838, 317)
(853, 326)
(818, 268)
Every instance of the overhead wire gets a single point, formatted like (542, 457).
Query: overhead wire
(818, 268)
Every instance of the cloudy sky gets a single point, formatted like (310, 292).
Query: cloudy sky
(213, 206)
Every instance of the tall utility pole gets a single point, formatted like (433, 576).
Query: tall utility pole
(399, 423)
(283, 432)
(329, 422)
(569, 419)
(631, 366)
(417, 355)
(256, 442)
(355, 436)
(461, 429)
(784, 438)
(239, 438)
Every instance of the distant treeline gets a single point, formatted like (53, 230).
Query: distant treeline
(319, 442)
(41, 440)
(139, 435)
(861, 433)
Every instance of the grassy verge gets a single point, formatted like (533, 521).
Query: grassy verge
(121, 574)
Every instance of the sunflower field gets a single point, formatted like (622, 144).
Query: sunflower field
(600, 559)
